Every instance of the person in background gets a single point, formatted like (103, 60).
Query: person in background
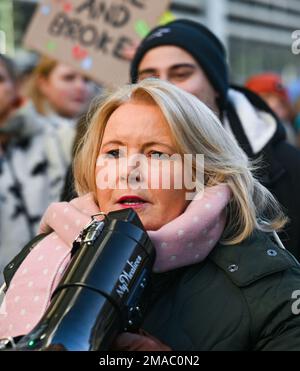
(269, 86)
(59, 92)
(294, 95)
(10, 98)
(190, 56)
(297, 119)
(25, 71)
(219, 281)
(35, 151)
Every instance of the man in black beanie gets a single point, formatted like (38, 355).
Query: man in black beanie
(190, 56)
(210, 67)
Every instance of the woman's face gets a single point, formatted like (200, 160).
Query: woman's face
(7, 93)
(66, 90)
(135, 129)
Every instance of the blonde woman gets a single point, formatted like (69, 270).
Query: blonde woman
(58, 91)
(219, 281)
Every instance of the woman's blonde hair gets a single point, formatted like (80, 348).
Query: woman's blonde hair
(42, 70)
(196, 130)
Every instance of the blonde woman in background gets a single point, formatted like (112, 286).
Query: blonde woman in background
(59, 92)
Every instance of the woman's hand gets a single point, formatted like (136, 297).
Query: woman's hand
(138, 342)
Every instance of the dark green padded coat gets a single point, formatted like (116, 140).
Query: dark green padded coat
(242, 297)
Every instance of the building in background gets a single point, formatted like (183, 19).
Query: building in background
(14, 17)
(6, 27)
(257, 33)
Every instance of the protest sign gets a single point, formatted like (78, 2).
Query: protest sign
(91, 34)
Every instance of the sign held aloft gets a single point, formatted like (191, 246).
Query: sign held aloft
(90, 34)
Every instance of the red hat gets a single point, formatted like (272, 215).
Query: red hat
(268, 83)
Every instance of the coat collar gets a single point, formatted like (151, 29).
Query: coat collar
(273, 169)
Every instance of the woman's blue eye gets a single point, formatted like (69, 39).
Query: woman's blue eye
(115, 153)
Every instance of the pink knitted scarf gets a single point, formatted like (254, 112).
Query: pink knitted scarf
(186, 240)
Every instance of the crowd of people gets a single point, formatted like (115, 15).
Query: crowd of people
(179, 100)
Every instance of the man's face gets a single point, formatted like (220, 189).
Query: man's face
(175, 65)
